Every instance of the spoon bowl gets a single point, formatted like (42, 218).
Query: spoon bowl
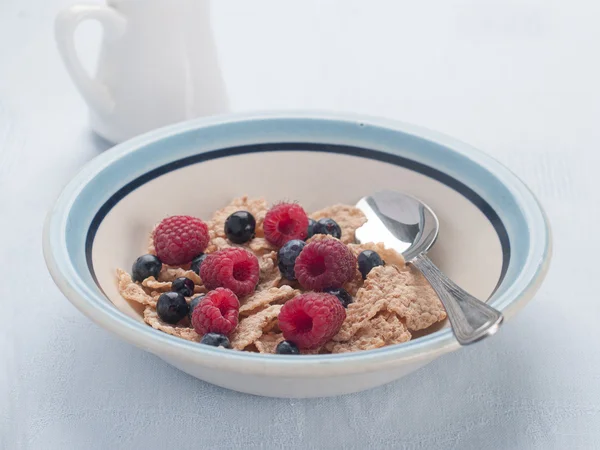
(399, 221)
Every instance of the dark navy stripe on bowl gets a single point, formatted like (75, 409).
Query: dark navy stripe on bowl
(397, 160)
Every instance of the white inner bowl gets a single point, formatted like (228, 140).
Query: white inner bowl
(468, 248)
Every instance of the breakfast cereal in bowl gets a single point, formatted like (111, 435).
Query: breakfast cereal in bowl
(275, 279)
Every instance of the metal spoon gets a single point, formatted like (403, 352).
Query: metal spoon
(410, 227)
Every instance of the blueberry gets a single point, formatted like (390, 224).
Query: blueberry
(328, 226)
(145, 266)
(172, 307)
(184, 286)
(216, 340)
(367, 260)
(312, 223)
(287, 348)
(342, 294)
(197, 262)
(240, 227)
(193, 304)
(287, 257)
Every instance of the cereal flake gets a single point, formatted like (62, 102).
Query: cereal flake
(252, 328)
(268, 342)
(349, 218)
(403, 291)
(156, 286)
(354, 284)
(358, 314)
(384, 329)
(152, 319)
(218, 243)
(269, 276)
(260, 299)
(169, 274)
(410, 296)
(260, 246)
(132, 291)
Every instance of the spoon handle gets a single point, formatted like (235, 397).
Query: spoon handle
(471, 319)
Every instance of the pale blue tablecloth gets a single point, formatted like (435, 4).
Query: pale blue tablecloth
(520, 80)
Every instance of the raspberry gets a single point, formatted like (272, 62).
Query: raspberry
(325, 264)
(178, 239)
(217, 312)
(310, 320)
(284, 222)
(232, 268)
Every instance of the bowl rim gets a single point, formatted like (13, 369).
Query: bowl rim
(164, 345)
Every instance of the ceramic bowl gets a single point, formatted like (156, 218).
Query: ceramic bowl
(494, 238)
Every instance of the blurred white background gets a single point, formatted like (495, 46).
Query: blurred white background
(518, 79)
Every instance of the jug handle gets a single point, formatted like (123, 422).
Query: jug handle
(95, 93)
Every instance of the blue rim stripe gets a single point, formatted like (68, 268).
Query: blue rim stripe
(397, 160)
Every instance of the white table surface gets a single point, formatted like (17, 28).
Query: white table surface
(518, 79)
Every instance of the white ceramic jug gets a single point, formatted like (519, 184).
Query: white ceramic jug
(157, 64)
